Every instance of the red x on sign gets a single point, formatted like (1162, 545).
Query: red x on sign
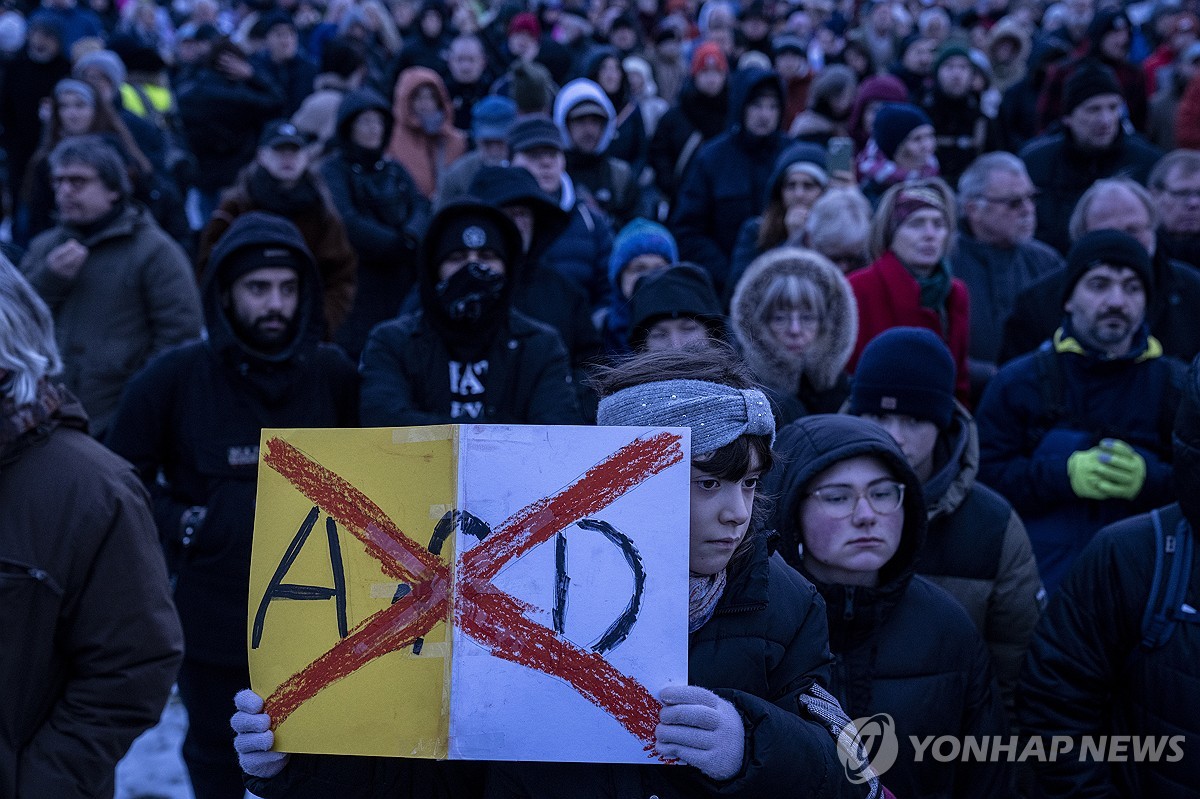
(494, 619)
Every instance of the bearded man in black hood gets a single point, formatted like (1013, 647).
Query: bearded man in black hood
(194, 415)
(467, 356)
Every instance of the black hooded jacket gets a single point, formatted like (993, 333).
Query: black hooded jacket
(1088, 672)
(631, 143)
(222, 119)
(196, 413)
(542, 292)
(903, 647)
(726, 183)
(385, 216)
(696, 114)
(747, 249)
(1062, 171)
(407, 363)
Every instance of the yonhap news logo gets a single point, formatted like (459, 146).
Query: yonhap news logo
(869, 746)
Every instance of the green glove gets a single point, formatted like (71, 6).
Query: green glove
(1088, 472)
(1130, 468)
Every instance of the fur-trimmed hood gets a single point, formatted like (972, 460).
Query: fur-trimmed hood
(1007, 74)
(830, 352)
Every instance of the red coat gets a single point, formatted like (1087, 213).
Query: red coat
(1187, 117)
(889, 296)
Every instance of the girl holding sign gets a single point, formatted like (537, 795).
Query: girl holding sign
(755, 720)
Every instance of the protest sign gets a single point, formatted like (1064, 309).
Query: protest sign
(479, 592)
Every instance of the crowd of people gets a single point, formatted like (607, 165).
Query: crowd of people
(952, 247)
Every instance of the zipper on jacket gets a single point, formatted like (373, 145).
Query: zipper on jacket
(848, 608)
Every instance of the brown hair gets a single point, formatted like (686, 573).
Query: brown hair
(105, 122)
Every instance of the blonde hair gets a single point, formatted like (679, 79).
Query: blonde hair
(839, 219)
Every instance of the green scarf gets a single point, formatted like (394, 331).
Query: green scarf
(935, 288)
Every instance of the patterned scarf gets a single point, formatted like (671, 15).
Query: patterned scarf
(17, 421)
(873, 165)
(704, 593)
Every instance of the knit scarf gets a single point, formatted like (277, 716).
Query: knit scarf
(874, 165)
(704, 591)
(17, 421)
(935, 287)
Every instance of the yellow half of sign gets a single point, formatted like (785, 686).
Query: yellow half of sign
(303, 606)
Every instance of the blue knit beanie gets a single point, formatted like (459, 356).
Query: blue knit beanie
(640, 237)
(905, 371)
(893, 123)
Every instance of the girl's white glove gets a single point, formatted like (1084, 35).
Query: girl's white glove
(701, 729)
(254, 738)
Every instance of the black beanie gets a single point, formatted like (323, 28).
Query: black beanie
(246, 259)
(905, 371)
(893, 124)
(1104, 23)
(470, 230)
(683, 291)
(1087, 81)
(1111, 247)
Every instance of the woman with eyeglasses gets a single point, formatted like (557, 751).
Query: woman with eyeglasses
(851, 516)
(910, 282)
(794, 320)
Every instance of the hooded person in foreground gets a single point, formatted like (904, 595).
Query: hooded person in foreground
(851, 516)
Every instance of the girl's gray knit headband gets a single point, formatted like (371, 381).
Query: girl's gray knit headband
(717, 414)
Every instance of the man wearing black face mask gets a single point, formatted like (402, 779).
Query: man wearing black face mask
(194, 415)
(467, 356)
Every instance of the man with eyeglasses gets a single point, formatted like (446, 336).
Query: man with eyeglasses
(120, 289)
(1115, 204)
(1077, 434)
(996, 254)
(1175, 187)
(975, 546)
